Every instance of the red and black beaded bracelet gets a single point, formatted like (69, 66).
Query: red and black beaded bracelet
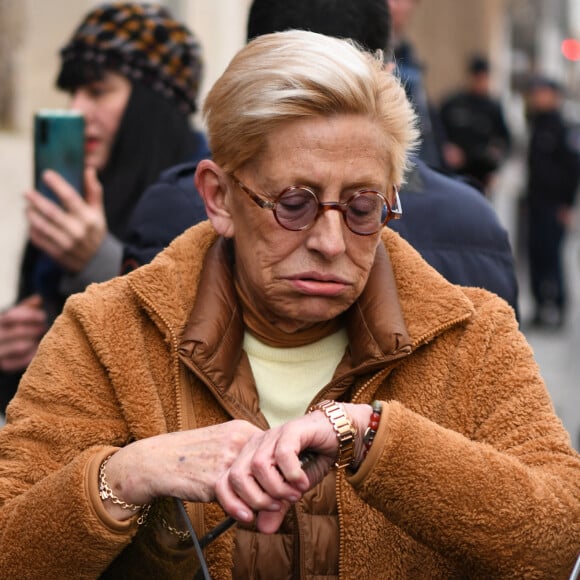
(371, 430)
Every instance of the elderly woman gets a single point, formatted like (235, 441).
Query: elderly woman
(293, 365)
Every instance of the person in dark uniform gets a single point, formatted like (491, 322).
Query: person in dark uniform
(553, 178)
(477, 135)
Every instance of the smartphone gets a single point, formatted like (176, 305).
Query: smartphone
(59, 144)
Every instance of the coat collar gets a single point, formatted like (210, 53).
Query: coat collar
(188, 291)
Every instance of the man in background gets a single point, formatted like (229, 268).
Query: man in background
(553, 175)
(477, 135)
(411, 72)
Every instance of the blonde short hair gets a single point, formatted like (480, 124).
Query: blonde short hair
(298, 74)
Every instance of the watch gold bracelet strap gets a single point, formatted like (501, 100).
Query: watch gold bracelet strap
(344, 429)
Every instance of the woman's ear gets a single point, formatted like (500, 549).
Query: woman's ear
(211, 183)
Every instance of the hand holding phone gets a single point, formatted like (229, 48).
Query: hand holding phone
(59, 137)
(72, 232)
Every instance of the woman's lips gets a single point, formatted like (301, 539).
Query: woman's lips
(318, 285)
(91, 143)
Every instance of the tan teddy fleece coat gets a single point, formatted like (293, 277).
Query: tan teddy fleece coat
(471, 474)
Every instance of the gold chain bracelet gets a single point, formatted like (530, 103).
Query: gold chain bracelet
(106, 492)
(152, 513)
(183, 536)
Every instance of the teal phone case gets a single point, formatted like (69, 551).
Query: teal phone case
(59, 137)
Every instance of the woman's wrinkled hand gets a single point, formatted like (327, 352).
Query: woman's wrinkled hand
(71, 233)
(184, 464)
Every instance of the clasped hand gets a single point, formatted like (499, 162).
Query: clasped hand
(251, 473)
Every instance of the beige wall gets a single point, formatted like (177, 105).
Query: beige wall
(219, 24)
(47, 25)
(221, 28)
(446, 32)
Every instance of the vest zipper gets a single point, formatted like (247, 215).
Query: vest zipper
(299, 547)
(339, 513)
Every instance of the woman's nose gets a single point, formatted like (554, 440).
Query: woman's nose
(327, 235)
(80, 102)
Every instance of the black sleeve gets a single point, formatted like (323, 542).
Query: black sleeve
(502, 128)
(570, 155)
(166, 209)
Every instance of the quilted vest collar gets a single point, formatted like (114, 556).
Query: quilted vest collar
(212, 339)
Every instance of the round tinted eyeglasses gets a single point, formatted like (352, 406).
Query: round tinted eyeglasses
(297, 208)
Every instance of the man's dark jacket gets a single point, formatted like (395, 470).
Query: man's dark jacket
(457, 231)
(553, 161)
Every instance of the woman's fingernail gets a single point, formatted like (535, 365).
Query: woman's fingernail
(243, 515)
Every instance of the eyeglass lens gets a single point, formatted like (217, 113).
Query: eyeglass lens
(364, 213)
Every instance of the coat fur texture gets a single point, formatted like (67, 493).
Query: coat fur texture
(471, 474)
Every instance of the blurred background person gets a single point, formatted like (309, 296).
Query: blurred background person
(476, 132)
(134, 72)
(553, 165)
(411, 72)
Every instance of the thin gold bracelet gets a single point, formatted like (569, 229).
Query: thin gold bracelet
(106, 492)
(183, 535)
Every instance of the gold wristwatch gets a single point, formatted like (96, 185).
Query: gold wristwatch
(344, 429)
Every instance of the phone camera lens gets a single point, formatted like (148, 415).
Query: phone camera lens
(43, 131)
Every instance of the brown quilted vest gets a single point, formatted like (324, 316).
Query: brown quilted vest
(305, 547)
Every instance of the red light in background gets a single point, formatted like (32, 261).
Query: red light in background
(571, 49)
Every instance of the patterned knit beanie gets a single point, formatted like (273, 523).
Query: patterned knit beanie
(140, 41)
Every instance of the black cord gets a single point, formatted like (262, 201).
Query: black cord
(576, 572)
(217, 531)
(305, 458)
(198, 548)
